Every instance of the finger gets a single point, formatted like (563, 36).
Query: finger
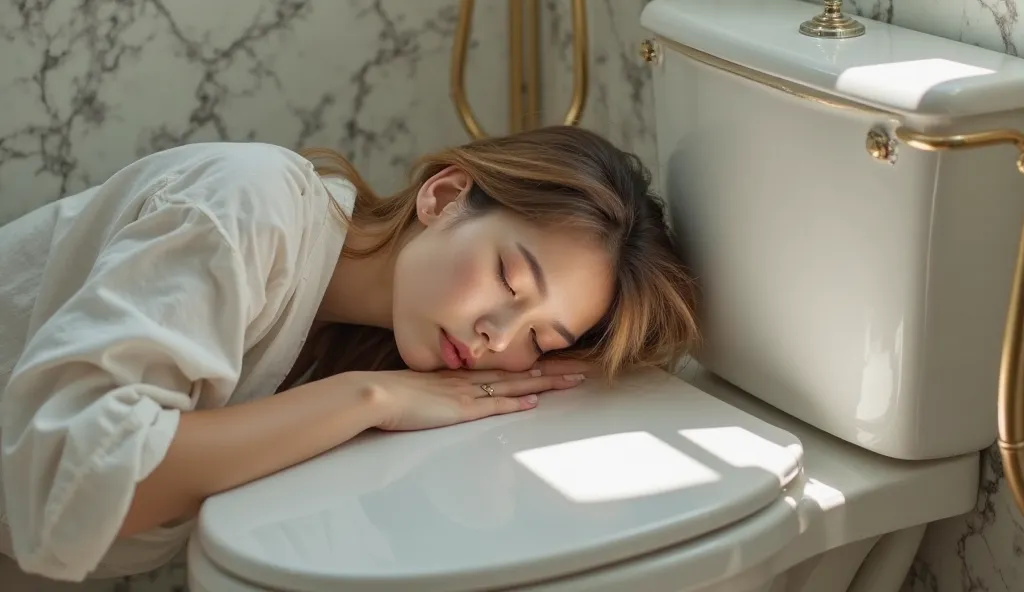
(499, 406)
(563, 367)
(490, 376)
(526, 386)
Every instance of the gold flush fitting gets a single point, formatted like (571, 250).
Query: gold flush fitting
(648, 52)
(880, 146)
(832, 23)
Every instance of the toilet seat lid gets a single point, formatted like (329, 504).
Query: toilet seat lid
(592, 476)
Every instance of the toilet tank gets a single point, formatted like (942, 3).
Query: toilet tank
(848, 278)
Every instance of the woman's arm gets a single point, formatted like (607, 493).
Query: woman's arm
(219, 449)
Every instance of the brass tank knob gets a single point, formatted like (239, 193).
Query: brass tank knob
(648, 51)
(880, 146)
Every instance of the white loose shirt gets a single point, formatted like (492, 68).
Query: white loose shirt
(188, 280)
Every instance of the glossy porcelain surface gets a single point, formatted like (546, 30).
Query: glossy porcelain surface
(312, 535)
(590, 477)
(890, 67)
(862, 296)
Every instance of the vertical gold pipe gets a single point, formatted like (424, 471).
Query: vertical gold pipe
(1011, 384)
(532, 64)
(458, 70)
(580, 47)
(515, 65)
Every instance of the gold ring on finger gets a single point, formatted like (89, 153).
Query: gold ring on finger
(488, 389)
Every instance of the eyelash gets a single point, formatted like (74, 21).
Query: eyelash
(504, 282)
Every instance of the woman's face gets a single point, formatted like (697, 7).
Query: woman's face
(492, 291)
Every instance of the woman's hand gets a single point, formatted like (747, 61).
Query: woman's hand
(422, 400)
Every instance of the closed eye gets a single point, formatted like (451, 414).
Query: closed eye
(503, 277)
(536, 345)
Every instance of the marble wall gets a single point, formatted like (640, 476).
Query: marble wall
(89, 85)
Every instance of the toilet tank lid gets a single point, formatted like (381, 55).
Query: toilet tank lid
(889, 67)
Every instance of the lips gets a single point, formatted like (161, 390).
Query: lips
(464, 353)
(449, 353)
(455, 353)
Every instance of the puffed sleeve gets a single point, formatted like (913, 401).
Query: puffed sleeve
(94, 401)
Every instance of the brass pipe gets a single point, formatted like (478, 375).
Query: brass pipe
(1011, 387)
(515, 65)
(532, 64)
(518, 117)
(579, 62)
(976, 140)
(458, 71)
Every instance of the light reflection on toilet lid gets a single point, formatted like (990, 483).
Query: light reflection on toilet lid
(591, 477)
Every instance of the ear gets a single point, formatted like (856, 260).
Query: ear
(441, 193)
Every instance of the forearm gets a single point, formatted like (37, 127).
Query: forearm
(219, 449)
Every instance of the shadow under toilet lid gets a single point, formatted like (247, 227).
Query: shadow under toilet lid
(592, 476)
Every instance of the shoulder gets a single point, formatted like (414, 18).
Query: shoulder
(239, 174)
(257, 193)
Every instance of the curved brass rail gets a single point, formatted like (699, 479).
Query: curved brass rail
(458, 70)
(976, 140)
(518, 117)
(580, 68)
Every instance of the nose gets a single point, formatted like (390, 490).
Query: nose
(497, 331)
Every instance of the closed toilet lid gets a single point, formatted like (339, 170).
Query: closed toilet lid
(592, 476)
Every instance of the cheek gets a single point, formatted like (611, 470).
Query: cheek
(467, 285)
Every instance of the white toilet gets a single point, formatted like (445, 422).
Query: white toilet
(854, 287)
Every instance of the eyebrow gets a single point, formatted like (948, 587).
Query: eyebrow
(542, 287)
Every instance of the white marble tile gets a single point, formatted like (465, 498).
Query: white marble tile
(89, 86)
(982, 551)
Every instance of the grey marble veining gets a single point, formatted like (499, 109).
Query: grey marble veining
(87, 86)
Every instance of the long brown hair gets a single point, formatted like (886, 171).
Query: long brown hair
(557, 177)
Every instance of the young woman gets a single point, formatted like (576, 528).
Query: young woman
(145, 321)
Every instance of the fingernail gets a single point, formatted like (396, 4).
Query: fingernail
(535, 372)
(574, 377)
(531, 399)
